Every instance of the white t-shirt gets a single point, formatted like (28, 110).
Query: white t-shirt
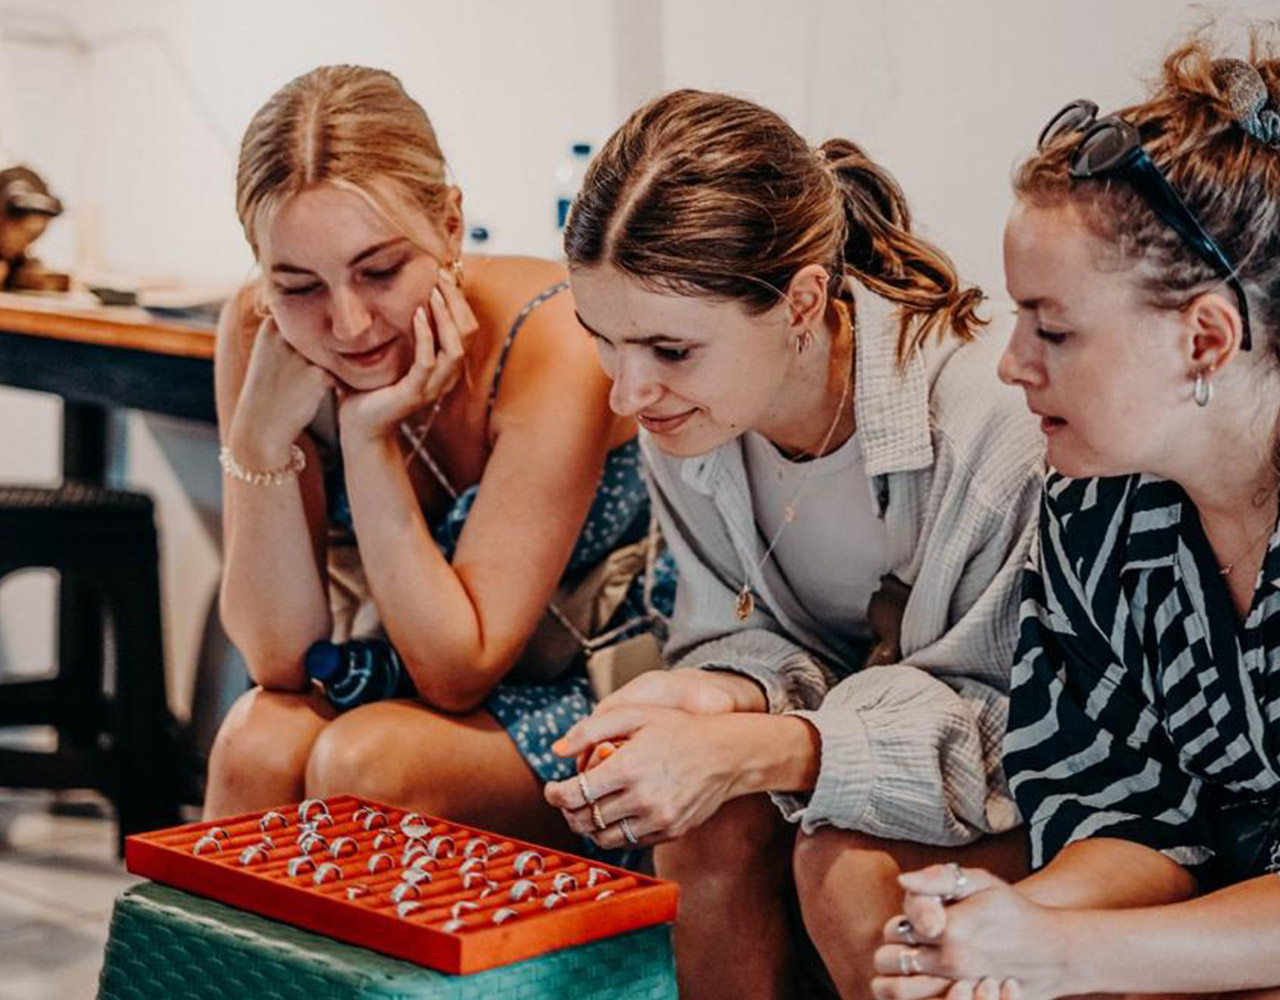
(836, 550)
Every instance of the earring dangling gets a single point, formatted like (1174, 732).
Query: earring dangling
(804, 341)
(455, 266)
(1203, 389)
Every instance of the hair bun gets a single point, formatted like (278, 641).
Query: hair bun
(1247, 93)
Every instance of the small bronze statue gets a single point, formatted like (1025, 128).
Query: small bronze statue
(26, 206)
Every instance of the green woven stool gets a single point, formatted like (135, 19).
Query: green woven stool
(169, 945)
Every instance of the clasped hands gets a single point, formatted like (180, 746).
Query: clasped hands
(965, 934)
(676, 767)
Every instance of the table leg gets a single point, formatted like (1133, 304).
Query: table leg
(80, 634)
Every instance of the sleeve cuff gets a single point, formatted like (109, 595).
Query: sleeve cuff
(774, 692)
(790, 677)
(846, 772)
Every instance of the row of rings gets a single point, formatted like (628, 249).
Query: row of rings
(314, 813)
(500, 916)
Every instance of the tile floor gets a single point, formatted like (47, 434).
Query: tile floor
(59, 876)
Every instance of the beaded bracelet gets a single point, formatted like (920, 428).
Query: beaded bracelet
(271, 477)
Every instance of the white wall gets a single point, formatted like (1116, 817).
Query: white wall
(136, 128)
(948, 94)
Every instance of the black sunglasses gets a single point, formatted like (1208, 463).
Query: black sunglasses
(1112, 146)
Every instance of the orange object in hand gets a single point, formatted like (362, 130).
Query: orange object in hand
(601, 752)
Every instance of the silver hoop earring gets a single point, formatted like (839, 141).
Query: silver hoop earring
(804, 341)
(1203, 389)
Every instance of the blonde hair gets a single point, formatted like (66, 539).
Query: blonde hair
(704, 193)
(348, 126)
(1229, 179)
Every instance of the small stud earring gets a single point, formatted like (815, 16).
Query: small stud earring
(804, 341)
(455, 266)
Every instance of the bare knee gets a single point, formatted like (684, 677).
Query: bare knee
(350, 758)
(832, 867)
(361, 754)
(259, 755)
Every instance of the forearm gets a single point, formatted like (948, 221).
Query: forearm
(769, 753)
(1108, 873)
(1223, 941)
(273, 601)
(427, 612)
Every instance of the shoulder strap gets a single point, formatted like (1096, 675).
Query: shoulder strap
(521, 316)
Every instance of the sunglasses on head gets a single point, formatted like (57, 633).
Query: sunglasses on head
(1112, 147)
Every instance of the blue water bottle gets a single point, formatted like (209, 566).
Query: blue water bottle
(358, 671)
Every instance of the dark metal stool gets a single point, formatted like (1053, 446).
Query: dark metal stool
(120, 737)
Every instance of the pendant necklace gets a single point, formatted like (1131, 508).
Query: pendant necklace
(1267, 531)
(745, 603)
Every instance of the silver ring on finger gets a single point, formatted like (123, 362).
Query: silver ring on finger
(909, 962)
(597, 817)
(906, 930)
(959, 884)
(626, 831)
(585, 789)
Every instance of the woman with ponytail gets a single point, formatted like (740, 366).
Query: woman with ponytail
(848, 493)
(1144, 722)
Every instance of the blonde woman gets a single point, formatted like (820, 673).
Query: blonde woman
(848, 493)
(444, 412)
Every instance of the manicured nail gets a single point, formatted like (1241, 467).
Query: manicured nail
(436, 297)
(419, 315)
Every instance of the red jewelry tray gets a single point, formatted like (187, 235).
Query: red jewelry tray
(372, 920)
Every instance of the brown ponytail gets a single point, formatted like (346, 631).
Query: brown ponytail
(883, 253)
(706, 194)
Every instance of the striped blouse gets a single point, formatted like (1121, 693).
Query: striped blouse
(1139, 707)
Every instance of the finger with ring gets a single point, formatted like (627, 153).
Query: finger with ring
(909, 962)
(585, 789)
(597, 817)
(960, 882)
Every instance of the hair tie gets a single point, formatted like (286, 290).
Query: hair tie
(1248, 96)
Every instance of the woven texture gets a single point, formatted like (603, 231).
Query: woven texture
(169, 945)
(74, 496)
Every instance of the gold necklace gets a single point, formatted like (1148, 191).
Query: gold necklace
(745, 603)
(1268, 529)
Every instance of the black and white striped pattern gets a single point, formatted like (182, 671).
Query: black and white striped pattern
(1139, 704)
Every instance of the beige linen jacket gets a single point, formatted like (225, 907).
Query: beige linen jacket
(909, 750)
